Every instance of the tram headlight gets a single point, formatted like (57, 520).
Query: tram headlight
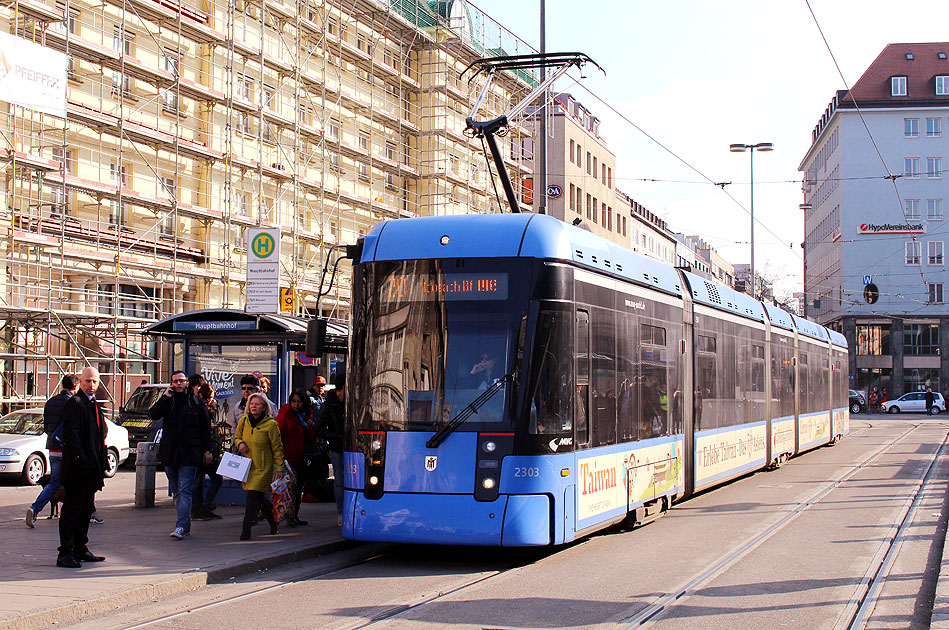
(376, 445)
(373, 481)
(488, 483)
(489, 447)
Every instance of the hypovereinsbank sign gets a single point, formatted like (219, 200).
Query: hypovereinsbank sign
(891, 228)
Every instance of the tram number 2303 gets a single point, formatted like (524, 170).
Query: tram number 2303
(521, 471)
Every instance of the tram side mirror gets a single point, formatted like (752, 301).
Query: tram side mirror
(315, 338)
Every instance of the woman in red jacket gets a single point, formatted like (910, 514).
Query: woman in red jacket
(297, 428)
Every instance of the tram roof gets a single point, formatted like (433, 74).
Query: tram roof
(811, 329)
(778, 316)
(512, 235)
(836, 338)
(724, 298)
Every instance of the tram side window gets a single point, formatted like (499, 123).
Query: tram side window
(782, 378)
(705, 390)
(653, 382)
(627, 373)
(581, 400)
(604, 377)
(552, 390)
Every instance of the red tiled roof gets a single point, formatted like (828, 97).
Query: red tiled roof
(874, 86)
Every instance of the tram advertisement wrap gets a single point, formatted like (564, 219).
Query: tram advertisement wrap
(815, 428)
(721, 453)
(782, 436)
(841, 421)
(617, 481)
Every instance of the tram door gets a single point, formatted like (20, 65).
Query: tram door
(582, 415)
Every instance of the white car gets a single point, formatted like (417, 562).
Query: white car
(23, 446)
(915, 401)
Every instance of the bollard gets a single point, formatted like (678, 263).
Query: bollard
(146, 460)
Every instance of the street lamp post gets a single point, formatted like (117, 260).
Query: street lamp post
(741, 148)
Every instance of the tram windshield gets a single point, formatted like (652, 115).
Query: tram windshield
(430, 337)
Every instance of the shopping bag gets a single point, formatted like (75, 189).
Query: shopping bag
(282, 497)
(234, 466)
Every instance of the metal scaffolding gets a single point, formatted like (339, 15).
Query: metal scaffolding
(190, 122)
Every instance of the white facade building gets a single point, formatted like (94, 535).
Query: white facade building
(875, 228)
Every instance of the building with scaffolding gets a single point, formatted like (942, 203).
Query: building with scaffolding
(189, 123)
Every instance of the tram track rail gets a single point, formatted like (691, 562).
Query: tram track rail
(656, 609)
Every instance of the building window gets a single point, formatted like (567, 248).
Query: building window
(573, 145)
(333, 131)
(363, 170)
(363, 141)
(934, 209)
(911, 127)
(573, 191)
(921, 339)
(918, 379)
(609, 177)
(933, 127)
(934, 253)
(912, 210)
(119, 174)
(596, 209)
(116, 213)
(911, 168)
(333, 158)
(65, 157)
(913, 250)
(935, 293)
(390, 151)
(624, 226)
(243, 123)
(245, 87)
(167, 223)
(934, 167)
(589, 163)
(873, 339)
(589, 206)
(392, 181)
(942, 85)
(897, 86)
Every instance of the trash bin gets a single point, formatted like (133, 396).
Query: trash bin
(146, 460)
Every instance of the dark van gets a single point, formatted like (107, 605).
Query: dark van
(134, 415)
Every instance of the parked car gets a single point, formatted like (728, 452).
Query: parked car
(857, 402)
(23, 446)
(134, 415)
(915, 401)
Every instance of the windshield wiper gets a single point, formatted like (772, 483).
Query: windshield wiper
(471, 408)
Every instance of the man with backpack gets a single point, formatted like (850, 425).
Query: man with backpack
(53, 426)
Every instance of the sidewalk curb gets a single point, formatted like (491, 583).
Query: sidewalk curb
(940, 613)
(189, 581)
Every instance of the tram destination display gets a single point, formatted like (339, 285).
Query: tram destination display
(450, 286)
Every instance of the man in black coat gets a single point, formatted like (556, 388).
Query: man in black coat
(83, 470)
(185, 444)
(930, 400)
(332, 422)
(52, 425)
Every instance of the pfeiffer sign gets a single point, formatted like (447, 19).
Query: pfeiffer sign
(891, 228)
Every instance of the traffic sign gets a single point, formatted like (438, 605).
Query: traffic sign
(868, 280)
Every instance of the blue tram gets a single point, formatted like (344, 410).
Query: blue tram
(515, 380)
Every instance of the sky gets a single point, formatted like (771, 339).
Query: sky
(697, 76)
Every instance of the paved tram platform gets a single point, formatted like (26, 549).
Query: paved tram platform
(142, 562)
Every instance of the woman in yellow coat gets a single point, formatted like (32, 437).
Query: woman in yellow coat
(258, 437)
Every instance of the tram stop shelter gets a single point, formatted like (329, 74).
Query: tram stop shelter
(225, 344)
